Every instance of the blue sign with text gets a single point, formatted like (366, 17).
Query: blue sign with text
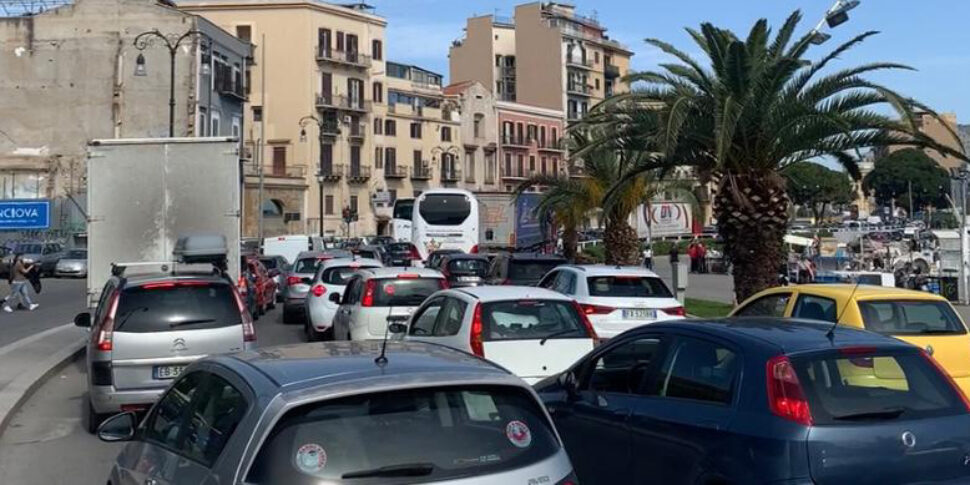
(25, 214)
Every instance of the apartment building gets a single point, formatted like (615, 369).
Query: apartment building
(478, 133)
(317, 68)
(945, 131)
(547, 55)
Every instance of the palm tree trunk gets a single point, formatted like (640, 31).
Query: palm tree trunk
(622, 244)
(751, 216)
(570, 243)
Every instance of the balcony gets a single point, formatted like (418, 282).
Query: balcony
(356, 132)
(358, 174)
(515, 141)
(345, 58)
(326, 101)
(574, 116)
(352, 104)
(229, 83)
(579, 89)
(332, 172)
(450, 175)
(550, 146)
(421, 172)
(512, 173)
(395, 172)
(611, 71)
(579, 62)
(284, 172)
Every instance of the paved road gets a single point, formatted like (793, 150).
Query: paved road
(713, 287)
(59, 301)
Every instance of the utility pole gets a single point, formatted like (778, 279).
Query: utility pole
(262, 136)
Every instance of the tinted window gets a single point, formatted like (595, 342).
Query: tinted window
(468, 266)
(766, 306)
(700, 371)
(76, 254)
(445, 209)
(454, 432)
(307, 265)
(341, 274)
(531, 319)
(368, 253)
(403, 209)
(815, 308)
(165, 424)
(874, 387)
(399, 248)
(627, 286)
(531, 270)
(165, 307)
(622, 368)
(212, 421)
(910, 317)
(269, 263)
(449, 321)
(565, 283)
(424, 323)
(405, 292)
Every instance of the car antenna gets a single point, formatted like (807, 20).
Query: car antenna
(831, 333)
(381, 360)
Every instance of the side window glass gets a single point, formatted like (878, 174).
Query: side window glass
(103, 302)
(424, 323)
(166, 424)
(622, 369)
(450, 318)
(350, 297)
(549, 280)
(212, 421)
(766, 306)
(699, 370)
(569, 283)
(815, 308)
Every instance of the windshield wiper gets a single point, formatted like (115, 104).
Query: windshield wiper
(557, 334)
(889, 413)
(403, 470)
(191, 322)
(126, 315)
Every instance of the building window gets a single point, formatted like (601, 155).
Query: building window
(353, 204)
(508, 164)
(521, 165)
(596, 57)
(377, 49)
(378, 92)
(555, 166)
(279, 160)
(555, 136)
(478, 124)
(257, 114)
(543, 167)
(418, 157)
(378, 126)
(340, 41)
(416, 131)
(326, 158)
(519, 132)
(532, 133)
(445, 133)
(215, 124)
(542, 136)
(597, 81)
(378, 158)
(203, 122)
(532, 164)
(393, 194)
(390, 158)
(470, 166)
(236, 127)
(355, 160)
(244, 32)
(390, 129)
(328, 205)
(489, 167)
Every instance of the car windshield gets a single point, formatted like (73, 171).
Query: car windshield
(76, 254)
(403, 209)
(531, 269)
(477, 267)
(166, 306)
(531, 319)
(339, 275)
(397, 437)
(627, 286)
(307, 265)
(445, 209)
(405, 291)
(915, 317)
(861, 385)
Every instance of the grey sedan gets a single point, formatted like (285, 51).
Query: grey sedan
(74, 263)
(336, 413)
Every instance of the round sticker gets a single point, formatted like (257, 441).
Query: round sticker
(389, 289)
(311, 458)
(518, 433)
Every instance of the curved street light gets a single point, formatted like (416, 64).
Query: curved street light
(172, 42)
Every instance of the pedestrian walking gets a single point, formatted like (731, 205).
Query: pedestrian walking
(19, 272)
(701, 257)
(692, 254)
(648, 256)
(674, 256)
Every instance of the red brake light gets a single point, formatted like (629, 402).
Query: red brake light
(854, 351)
(407, 276)
(785, 396)
(476, 342)
(944, 375)
(318, 290)
(595, 309)
(369, 289)
(249, 332)
(414, 253)
(443, 284)
(675, 310)
(107, 329)
(473, 250)
(586, 323)
(158, 286)
(293, 280)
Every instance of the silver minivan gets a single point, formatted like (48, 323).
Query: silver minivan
(148, 328)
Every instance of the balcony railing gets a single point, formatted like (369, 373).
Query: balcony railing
(326, 101)
(354, 104)
(574, 116)
(357, 131)
(512, 172)
(451, 174)
(611, 71)
(332, 172)
(421, 172)
(580, 89)
(395, 172)
(579, 62)
(354, 59)
(550, 146)
(287, 171)
(515, 141)
(229, 83)
(357, 174)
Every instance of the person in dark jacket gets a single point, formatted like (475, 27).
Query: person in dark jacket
(19, 273)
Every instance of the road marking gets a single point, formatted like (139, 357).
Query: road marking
(6, 349)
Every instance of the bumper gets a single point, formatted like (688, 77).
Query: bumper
(294, 305)
(320, 316)
(70, 273)
(611, 328)
(108, 400)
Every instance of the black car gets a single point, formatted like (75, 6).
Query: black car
(522, 269)
(371, 252)
(464, 269)
(759, 400)
(402, 254)
(434, 259)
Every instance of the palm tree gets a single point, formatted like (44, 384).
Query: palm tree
(758, 106)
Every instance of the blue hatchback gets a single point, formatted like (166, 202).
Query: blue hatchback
(759, 401)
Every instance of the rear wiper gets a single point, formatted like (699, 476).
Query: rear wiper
(191, 322)
(403, 470)
(889, 413)
(557, 334)
(126, 315)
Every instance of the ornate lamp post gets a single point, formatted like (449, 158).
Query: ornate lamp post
(172, 42)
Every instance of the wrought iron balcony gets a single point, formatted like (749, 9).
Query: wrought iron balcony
(395, 172)
(332, 172)
(347, 58)
(421, 172)
(358, 174)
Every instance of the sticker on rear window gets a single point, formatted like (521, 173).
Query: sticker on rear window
(311, 458)
(518, 433)
(389, 289)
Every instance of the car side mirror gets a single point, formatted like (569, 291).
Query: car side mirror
(335, 297)
(82, 320)
(397, 328)
(120, 427)
(567, 380)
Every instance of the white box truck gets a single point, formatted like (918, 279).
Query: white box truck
(143, 193)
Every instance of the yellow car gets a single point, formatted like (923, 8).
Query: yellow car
(922, 319)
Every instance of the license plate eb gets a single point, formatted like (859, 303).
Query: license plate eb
(167, 371)
(639, 313)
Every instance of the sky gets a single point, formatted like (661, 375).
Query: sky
(929, 35)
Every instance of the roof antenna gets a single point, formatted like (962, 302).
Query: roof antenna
(381, 360)
(831, 333)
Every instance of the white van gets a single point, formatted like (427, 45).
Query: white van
(287, 246)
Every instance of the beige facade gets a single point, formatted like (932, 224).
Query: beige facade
(318, 60)
(944, 132)
(479, 134)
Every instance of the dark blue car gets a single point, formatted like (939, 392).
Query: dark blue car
(759, 401)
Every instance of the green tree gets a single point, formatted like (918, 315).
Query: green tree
(900, 172)
(816, 187)
(755, 106)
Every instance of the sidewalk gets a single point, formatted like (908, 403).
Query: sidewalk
(26, 362)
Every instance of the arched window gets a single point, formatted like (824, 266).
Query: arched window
(273, 208)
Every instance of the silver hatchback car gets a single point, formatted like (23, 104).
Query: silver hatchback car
(332, 413)
(148, 328)
(296, 283)
(332, 277)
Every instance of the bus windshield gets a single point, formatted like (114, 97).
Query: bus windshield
(445, 209)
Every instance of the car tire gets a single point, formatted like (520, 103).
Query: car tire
(312, 335)
(93, 419)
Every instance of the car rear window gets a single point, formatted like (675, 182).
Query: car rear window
(269, 263)
(900, 317)
(531, 319)
(341, 274)
(414, 435)
(307, 265)
(399, 247)
(169, 306)
(76, 254)
(848, 387)
(405, 291)
(468, 266)
(531, 269)
(627, 286)
(367, 253)
(445, 209)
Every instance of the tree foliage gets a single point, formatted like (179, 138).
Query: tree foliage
(817, 187)
(896, 174)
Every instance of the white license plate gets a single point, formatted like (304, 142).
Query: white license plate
(167, 371)
(639, 314)
(469, 278)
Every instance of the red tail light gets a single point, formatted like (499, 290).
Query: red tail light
(443, 284)
(943, 374)
(414, 253)
(476, 341)
(241, 285)
(596, 309)
(473, 250)
(318, 290)
(108, 328)
(785, 396)
(293, 280)
(675, 310)
(369, 290)
(586, 323)
(249, 332)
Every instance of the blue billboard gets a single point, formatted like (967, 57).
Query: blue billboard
(25, 214)
(528, 227)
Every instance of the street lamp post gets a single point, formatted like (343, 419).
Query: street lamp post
(304, 122)
(143, 40)
(836, 15)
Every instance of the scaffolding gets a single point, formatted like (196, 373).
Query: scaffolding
(26, 8)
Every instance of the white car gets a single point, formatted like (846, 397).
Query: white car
(615, 298)
(331, 277)
(532, 332)
(375, 296)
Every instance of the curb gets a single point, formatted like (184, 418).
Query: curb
(15, 394)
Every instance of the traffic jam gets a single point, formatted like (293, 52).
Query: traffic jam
(432, 356)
